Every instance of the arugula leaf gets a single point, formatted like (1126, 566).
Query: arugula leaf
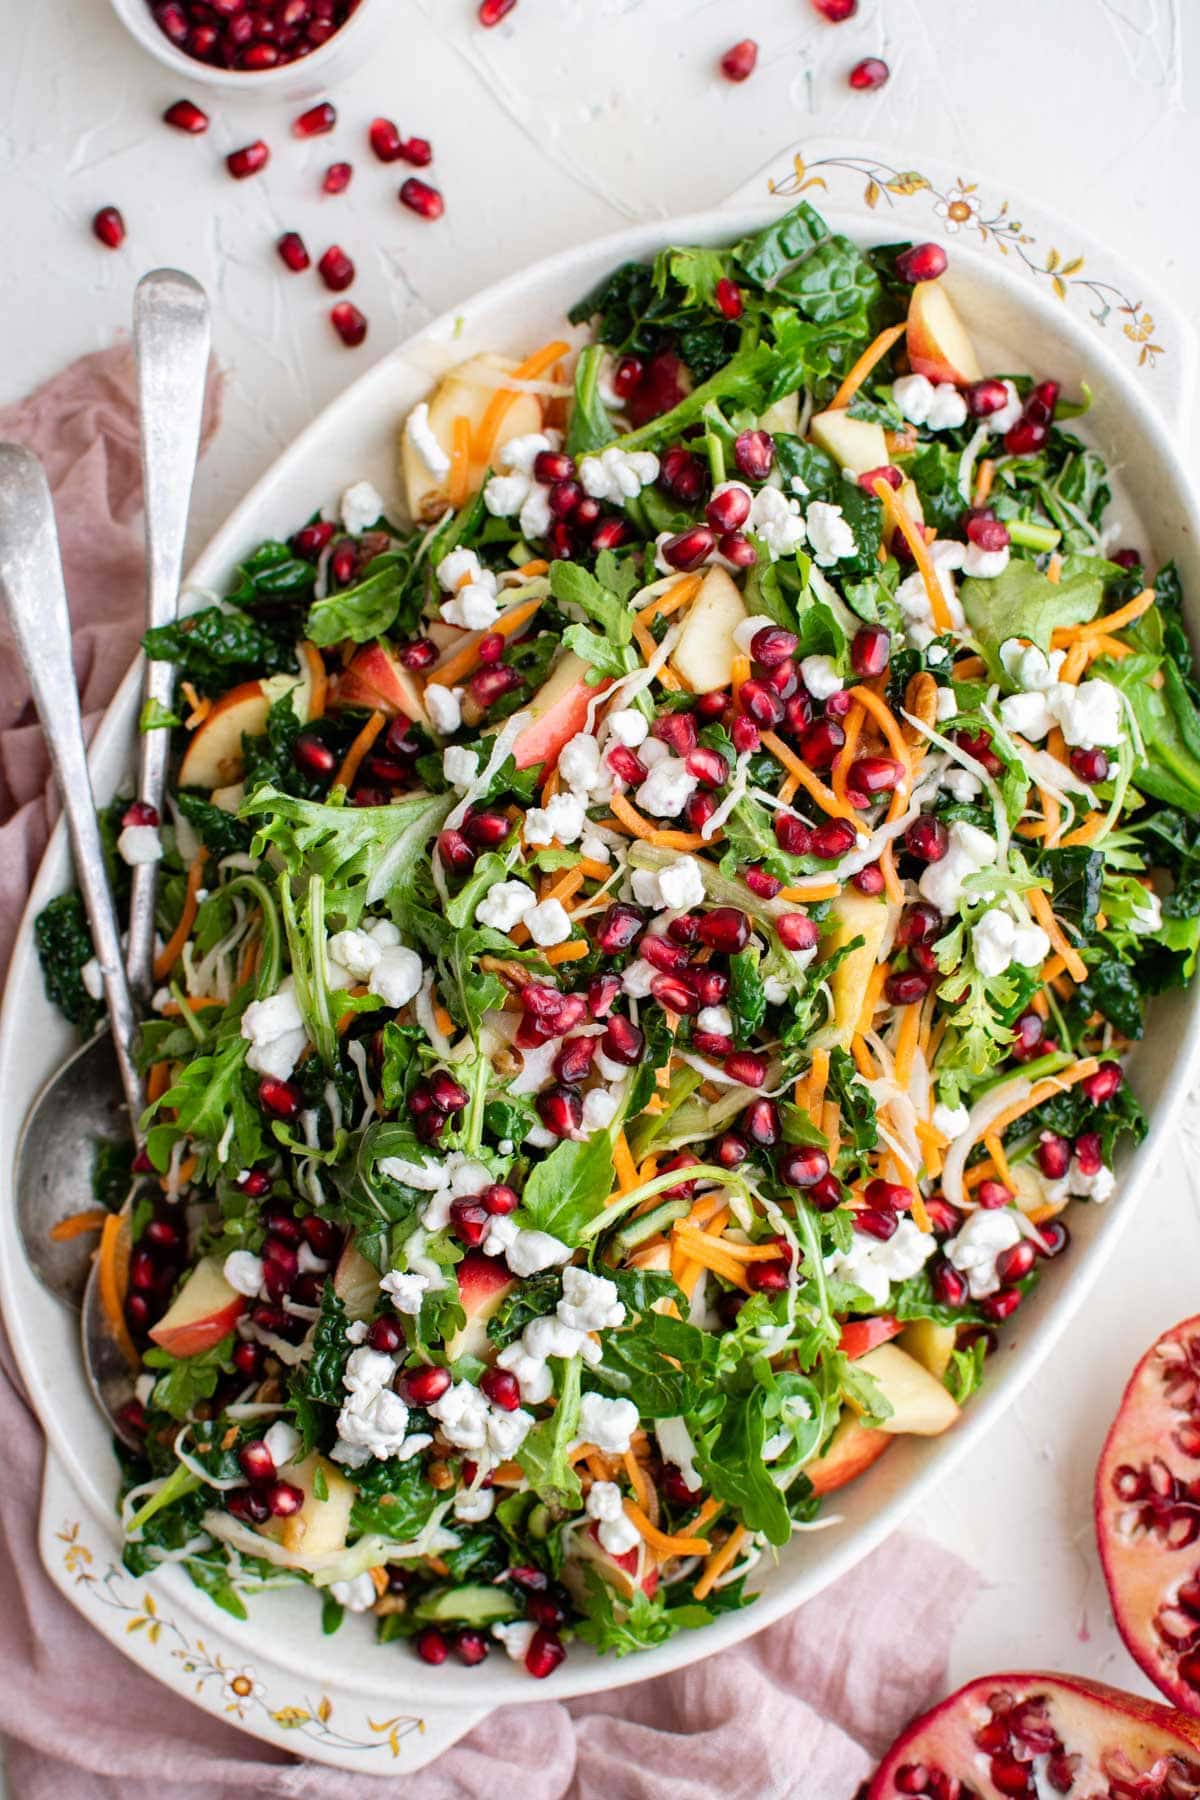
(568, 1188)
(365, 610)
(747, 996)
(639, 1622)
(662, 1364)
(573, 585)
(543, 1455)
(613, 660)
(1021, 603)
(1169, 725)
(64, 944)
(188, 1379)
(729, 1457)
(591, 427)
(204, 1096)
(363, 853)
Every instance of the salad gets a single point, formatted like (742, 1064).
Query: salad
(647, 943)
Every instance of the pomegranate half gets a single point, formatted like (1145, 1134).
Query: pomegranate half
(1148, 1514)
(1036, 1736)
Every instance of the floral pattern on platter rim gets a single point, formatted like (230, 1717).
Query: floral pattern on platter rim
(960, 205)
(222, 1685)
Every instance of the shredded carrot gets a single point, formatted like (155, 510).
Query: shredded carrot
(1043, 912)
(711, 1509)
(112, 1271)
(1042, 1090)
(811, 783)
(464, 658)
(887, 722)
(504, 398)
(739, 674)
(969, 668)
(594, 871)
(818, 1079)
(166, 959)
(901, 522)
(822, 890)
(1076, 661)
(623, 1163)
(700, 1249)
(831, 1128)
(631, 820)
(1125, 615)
(673, 683)
(318, 680)
(1040, 1005)
(538, 566)
(1054, 569)
(568, 883)
(719, 1561)
(76, 1224)
(663, 1544)
(571, 951)
(906, 1042)
(879, 975)
(995, 1150)
(920, 1213)
(839, 775)
(787, 790)
(193, 1002)
(460, 462)
(677, 595)
(352, 761)
(201, 706)
(1108, 646)
(861, 368)
(743, 1253)
(980, 1171)
(893, 886)
(1084, 834)
(158, 1080)
(983, 481)
(1051, 814)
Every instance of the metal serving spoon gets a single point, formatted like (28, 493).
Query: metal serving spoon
(98, 1093)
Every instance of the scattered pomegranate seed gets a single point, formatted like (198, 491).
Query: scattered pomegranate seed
(761, 704)
(283, 1499)
(109, 227)
(417, 151)
(1053, 1156)
(869, 880)
(1104, 1083)
(546, 1651)
(729, 509)
(349, 323)
(871, 72)
(745, 735)
(836, 11)
(906, 986)
(797, 931)
(501, 1389)
(761, 882)
(312, 756)
(729, 298)
(737, 549)
(1090, 765)
(420, 198)
(316, 121)
(998, 1307)
(950, 1287)
(293, 251)
(336, 269)
(421, 1387)
(561, 1109)
(337, 177)
(385, 140)
(471, 1647)
(1088, 1152)
(499, 1199)
(385, 1336)
(185, 115)
(1015, 1263)
(993, 1194)
(738, 62)
(249, 160)
(492, 11)
(746, 1066)
(924, 262)
(1127, 558)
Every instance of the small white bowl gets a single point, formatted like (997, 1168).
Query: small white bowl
(345, 51)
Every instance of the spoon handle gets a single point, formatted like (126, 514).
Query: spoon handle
(171, 338)
(31, 587)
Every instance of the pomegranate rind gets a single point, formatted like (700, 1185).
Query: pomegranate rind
(1090, 1718)
(1143, 1573)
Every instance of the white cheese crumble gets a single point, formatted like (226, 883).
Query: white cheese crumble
(609, 1424)
(139, 844)
(362, 505)
(997, 940)
(420, 435)
(505, 905)
(617, 1534)
(982, 1237)
(970, 850)
(776, 522)
(942, 408)
(829, 536)
(356, 1595)
(274, 1030)
(460, 766)
(667, 788)
(444, 706)
(549, 923)
(821, 676)
(562, 818)
(629, 727)
(617, 475)
(244, 1272)
(872, 1264)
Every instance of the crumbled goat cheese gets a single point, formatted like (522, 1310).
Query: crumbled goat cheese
(609, 1424)
(829, 536)
(536, 1250)
(667, 788)
(951, 1121)
(357, 1595)
(397, 976)
(942, 408)
(589, 1302)
(628, 726)
(579, 762)
(549, 923)
(617, 1534)
(373, 1420)
(947, 704)
(638, 979)
(459, 568)
(960, 784)
(985, 564)
(444, 706)
(1099, 1185)
(139, 844)
(998, 940)
(474, 606)
(274, 1029)
(946, 555)
(535, 516)
(421, 436)
(355, 951)
(522, 452)
(776, 522)
(244, 1272)
(563, 818)
(362, 505)
(617, 475)
(516, 1638)
(675, 1442)
(821, 676)
(982, 1237)
(406, 1289)
(674, 888)
(599, 1109)
(505, 905)
(970, 850)
(872, 1265)
(716, 1019)
(1008, 414)
(460, 766)
(1090, 714)
(282, 1439)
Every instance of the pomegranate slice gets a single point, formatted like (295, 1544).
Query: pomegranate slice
(1037, 1735)
(1148, 1514)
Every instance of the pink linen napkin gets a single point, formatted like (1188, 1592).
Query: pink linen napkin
(803, 1710)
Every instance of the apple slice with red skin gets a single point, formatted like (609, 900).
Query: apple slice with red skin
(558, 711)
(204, 1311)
(483, 1284)
(620, 1572)
(213, 758)
(377, 680)
(1089, 1740)
(1148, 1514)
(937, 341)
(860, 1335)
(851, 1450)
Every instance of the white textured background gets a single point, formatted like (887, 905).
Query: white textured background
(572, 118)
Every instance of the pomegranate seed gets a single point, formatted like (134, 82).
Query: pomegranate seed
(729, 300)
(293, 252)
(623, 1041)
(249, 1507)
(455, 852)
(906, 986)
(385, 1336)
(279, 1098)
(486, 829)
(431, 1645)
(1088, 1153)
(728, 509)
(1127, 558)
(834, 838)
(184, 115)
(561, 1109)
(422, 653)
(420, 198)
(803, 1165)
(618, 928)
(712, 1043)
(689, 549)
(143, 1271)
(385, 140)
(256, 1183)
(448, 1095)
(258, 1465)
(772, 646)
(1002, 1305)
(247, 1359)
(1042, 402)
(870, 651)
(250, 160)
(988, 534)
(837, 12)
(928, 839)
(499, 1200)
(1025, 438)
(674, 993)
(919, 923)
(725, 928)
(311, 540)
(312, 756)
(754, 453)
(1090, 765)
(872, 72)
(874, 775)
(343, 563)
(501, 1389)
(675, 1488)
(745, 735)
(492, 11)
(1029, 1033)
(468, 1221)
(746, 1067)
(337, 177)
(678, 730)
(826, 1194)
(553, 465)
(627, 378)
(336, 269)
(349, 323)
(1053, 1156)
(1013, 1264)
(421, 1387)
(761, 703)
(875, 1223)
(793, 835)
(316, 121)
(738, 62)
(924, 262)
(416, 151)
(760, 1123)
(490, 685)
(610, 534)
(979, 745)
(708, 766)
(661, 953)
(737, 549)
(283, 1499)
(573, 1063)
(321, 1235)
(797, 931)
(602, 991)
(986, 398)
(563, 498)
(1055, 1237)
(471, 1647)
(730, 1150)
(626, 765)
(1104, 1083)
(761, 882)
(109, 227)
(993, 1194)
(869, 880)
(768, 1277)
(173, 22)
(949, 1286)
(546, 1652)
(821, 742)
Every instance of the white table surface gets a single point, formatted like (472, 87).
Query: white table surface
(572, 118)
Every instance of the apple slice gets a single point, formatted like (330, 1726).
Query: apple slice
(483, 1283)
(936, 339)
(855, 915)
(856, 444)
(930, 1343)
(620, 1572)
(356, 1282)
(860, 1335)
(319, 1527)
(559, 710)
(377, 680)
(852, 1449)
(782, 417)
(204, 1311)
(213, 758)
(705, 653)
(920, 1404)
(458, 397)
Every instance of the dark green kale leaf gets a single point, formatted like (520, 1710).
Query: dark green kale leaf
(217, 647)
(64, 945)
(321, 1377)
